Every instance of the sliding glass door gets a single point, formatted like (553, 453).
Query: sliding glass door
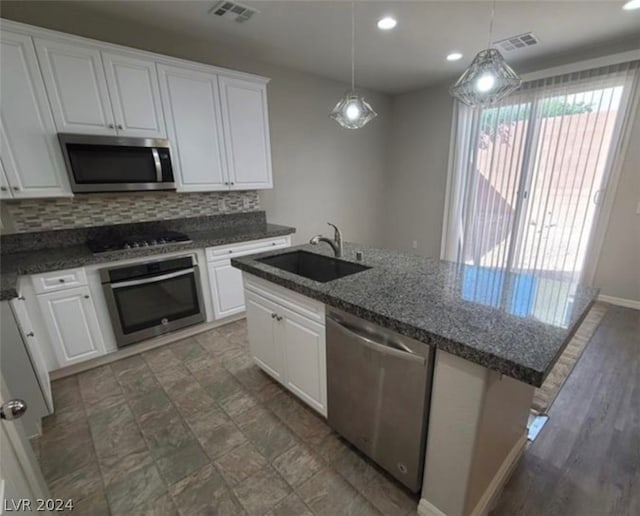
(529, 183)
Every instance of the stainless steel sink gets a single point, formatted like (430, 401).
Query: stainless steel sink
(313, 266)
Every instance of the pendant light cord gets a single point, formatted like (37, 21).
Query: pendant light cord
(353, 45)
(493, 13)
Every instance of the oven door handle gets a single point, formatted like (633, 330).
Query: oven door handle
(156, 160)
(153, 279)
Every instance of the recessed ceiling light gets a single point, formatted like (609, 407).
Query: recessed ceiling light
(631, 5)
(454, 56)
(387, 23)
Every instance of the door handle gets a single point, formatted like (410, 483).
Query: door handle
(13, 409)
(404, 352)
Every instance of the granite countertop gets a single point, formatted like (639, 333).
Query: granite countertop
(15, 264)
(515, 323)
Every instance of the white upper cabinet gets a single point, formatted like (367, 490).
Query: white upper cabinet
(246, 129)
(192, 105)
(77, 87)
(135, 96)
(31, 158)
(94, 92)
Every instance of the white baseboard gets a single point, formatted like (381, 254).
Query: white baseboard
(490, 496)
(426, 508)
(620, 301)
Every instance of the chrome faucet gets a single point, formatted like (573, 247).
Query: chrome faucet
(336, 243)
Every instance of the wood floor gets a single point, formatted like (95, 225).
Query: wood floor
(586, 461)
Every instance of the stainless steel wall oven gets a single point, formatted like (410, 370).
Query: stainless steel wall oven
(151, 298)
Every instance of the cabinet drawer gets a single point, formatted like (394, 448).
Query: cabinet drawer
(256, 246)
(58, 280)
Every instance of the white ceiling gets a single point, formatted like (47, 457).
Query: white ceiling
(314, 36)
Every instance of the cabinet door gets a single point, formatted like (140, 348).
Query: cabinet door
(191, 102)
(77, 88)
(135, 96)
(246, 132)
(5, 189)
(304, 351)
(264, 342)
(33, 345)
(227, 289)
(71, 321)
(31, 156)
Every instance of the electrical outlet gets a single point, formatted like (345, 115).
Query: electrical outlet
(414, 244)
(246, 203)
(222, 204)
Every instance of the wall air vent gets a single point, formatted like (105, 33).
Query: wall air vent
(512, 43)
(233, 11)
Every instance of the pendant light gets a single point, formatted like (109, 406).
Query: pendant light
(488, 78)
(353, 111)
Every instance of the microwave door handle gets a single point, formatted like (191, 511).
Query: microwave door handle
(156, 160)
(153, 279)
(378, 346)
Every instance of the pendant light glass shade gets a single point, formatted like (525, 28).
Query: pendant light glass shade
(487, 80)
(353, 111)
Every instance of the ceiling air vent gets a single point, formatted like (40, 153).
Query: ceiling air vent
(233, 11)
(517, 42)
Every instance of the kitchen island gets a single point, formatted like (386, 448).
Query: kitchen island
(497, 335)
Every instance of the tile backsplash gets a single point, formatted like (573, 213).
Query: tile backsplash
(102, 209)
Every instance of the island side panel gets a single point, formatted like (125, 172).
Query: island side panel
(467, 451)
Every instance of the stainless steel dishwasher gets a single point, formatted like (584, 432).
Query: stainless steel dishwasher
(378, 390)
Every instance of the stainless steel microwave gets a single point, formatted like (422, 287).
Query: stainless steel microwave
(115, 164)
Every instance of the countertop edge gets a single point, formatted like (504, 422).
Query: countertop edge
(10, 279)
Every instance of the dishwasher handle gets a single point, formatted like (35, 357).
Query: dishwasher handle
(377, 346)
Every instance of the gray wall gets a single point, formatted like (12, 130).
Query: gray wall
(321, 171)
(417, 170)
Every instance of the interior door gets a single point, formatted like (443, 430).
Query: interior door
(77, 88)
(135, 95)
(20, 475)
(246, 132)
(192, 102)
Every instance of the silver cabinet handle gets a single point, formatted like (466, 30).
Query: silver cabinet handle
(86, 296)
(21, 298)
(61, 280)
(111, 126)
(274, 315)
(13, 409)
(16, 188)
(120, 126)
(31, 334)
(279, 318)
(3, 188)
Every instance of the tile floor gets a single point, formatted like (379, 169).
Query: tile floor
(195, 428)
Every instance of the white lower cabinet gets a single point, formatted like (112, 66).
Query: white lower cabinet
(226, 289)
(264, 344)
(225, 281)
(72, 324)
(288, 344)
